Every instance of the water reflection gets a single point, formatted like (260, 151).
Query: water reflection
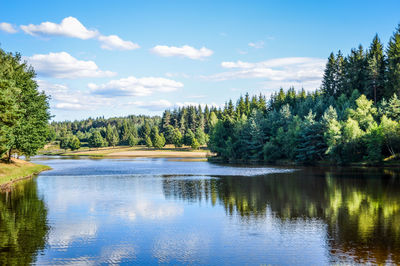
(361, 208)
(23, 224)
(152, 211)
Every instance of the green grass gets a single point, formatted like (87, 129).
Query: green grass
(19, 169)
(54, 149)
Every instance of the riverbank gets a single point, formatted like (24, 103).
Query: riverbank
(18, 170)
(137, 151)
(393, 161)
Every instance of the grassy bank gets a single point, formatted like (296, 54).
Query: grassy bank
(18, 169)
(126, 151)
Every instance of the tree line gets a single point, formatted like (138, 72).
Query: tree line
(24, 111)
(353, 117)
(187, 125)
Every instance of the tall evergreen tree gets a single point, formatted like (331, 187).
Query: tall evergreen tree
(376, 71)
(328, 81)
(393, 72)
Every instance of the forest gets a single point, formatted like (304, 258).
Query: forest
(353, 117)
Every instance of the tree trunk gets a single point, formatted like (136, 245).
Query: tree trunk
(9, 155)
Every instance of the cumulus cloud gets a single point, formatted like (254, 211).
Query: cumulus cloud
(7, 27)
(257, 45)
(69, 27)
(297, 71)
(63, 65)
(72, 27)
(113, 42)
(133, 86)
(184, 51)
(64, 98)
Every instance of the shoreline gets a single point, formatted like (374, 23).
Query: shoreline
(129, 152)
(385, 164)
(18, 170)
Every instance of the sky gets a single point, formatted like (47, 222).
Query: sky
(117, 58)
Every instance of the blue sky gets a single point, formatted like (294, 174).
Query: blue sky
(116, 58)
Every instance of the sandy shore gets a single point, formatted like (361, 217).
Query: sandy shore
(124, 151)
(160, 153)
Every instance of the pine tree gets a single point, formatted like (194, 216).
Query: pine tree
(166, 120)
(311, 144)
(169, 134)
(132, 141)
(340, 75)
(177, 138)
(393, 72)
(328, 81)
(356, 71)
(159, 141)
(200, 136)
(188, 137)
(148, 142)
(393, 108)
(96, 140)
(194, 144)
(247, 104)
(376, 71)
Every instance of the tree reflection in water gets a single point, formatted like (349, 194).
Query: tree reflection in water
(361, 207)
(23, 224)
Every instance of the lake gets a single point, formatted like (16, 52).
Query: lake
(171, 211)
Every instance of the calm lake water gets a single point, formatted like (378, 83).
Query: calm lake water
(152, 211)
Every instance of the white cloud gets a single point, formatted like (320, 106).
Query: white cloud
(63, 65)
(7, 27)
(257, 45)
(63, 98)
(297, 71)
(133, 86)
(184, 247)
(113, 42)
(62, 235)
(184, 51)
(70, 27)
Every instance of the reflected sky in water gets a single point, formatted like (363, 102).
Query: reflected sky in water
(151, 211)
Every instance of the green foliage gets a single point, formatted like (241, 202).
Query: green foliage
(148, 142)
(201, 136)
(24, 111)
(112, 136)
(177, 139)
(169, 134)
(159, 141)
(74, 143)
(393, 68)
(195, 145)
(24, 224)
(132, 141)
(188, 137)
(96, 140)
